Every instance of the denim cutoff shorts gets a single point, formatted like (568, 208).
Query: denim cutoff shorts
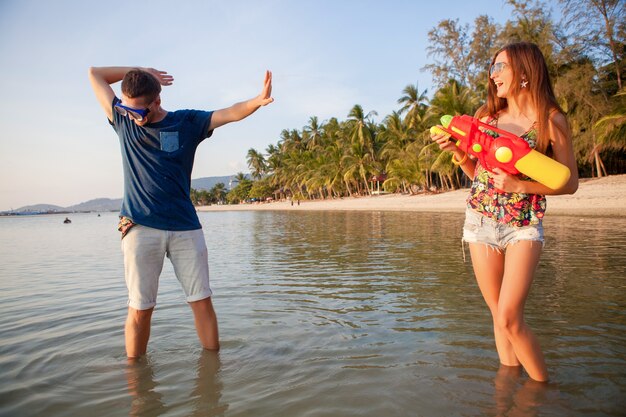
(482, 229)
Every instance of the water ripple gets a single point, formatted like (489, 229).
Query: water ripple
(320, 314)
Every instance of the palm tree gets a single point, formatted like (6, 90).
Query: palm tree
(315, 132)
(332, 168)
(403, 172)
(256, 163)
(399, 155)
(585, 103)
(239, 178)
(361, 155)
(193, 195)
(219, 192)
(452, 99)
(273, 158)
(610, 131)
(414, 104)
(359, 164)
(360, 131)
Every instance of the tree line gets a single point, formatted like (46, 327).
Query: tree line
(585, 52)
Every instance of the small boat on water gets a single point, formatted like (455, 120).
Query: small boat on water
(67, 220)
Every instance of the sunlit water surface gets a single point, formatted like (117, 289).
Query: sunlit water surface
(321, 314)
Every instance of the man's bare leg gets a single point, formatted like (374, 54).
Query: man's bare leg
(206, 323)
(137, 331)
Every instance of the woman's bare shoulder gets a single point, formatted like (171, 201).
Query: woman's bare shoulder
(558, 119)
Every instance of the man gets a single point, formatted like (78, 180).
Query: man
(157, 217)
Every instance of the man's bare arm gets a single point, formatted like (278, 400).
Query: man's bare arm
(101, 79)
(244, 109)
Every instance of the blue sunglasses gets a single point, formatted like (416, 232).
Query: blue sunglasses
(136, 114)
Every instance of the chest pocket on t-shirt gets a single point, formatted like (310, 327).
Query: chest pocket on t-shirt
(169, 141)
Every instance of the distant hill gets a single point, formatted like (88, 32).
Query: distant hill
(38, 208)
(108, 204)
(99, 204)
(207, 183)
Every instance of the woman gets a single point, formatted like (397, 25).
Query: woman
(503, 224)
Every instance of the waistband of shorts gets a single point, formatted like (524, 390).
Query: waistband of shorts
(486, 219)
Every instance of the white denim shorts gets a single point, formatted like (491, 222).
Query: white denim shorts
(144, 251)
(482, 229)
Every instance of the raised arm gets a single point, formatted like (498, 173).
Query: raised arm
(244, 109)
(101, 79)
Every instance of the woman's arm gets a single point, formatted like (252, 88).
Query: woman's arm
(468, 165)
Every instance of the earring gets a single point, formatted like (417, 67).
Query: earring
(524, 83)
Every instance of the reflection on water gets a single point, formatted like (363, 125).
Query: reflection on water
(145, 398)
(146, 392)
(321, 314)
(207, 393)
(515, 396)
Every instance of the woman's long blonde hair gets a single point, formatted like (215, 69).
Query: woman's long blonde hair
(527, 63)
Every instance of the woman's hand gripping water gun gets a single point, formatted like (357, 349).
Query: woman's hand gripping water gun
(507, 152)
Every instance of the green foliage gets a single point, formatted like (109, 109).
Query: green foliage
(611, 129)
(240, 193)
(339, 157)
(215, 195)
(261, 190)
(256, 163)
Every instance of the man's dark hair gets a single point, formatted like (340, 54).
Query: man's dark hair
(138, 83)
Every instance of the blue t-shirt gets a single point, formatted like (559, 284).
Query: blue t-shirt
(158, 159)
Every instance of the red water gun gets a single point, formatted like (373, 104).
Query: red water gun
(508, 152)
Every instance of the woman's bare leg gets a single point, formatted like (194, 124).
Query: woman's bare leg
(488, 266)
(521, 260)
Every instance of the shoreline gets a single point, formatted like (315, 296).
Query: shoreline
(604, 196)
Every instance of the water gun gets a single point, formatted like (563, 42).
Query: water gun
(508, 152)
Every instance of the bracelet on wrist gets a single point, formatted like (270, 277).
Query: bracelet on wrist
(457, 162)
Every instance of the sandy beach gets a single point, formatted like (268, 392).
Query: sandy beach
(595, 197)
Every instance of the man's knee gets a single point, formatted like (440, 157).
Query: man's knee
(139, 316)
(205, 304)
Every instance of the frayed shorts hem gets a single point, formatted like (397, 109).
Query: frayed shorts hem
(499, 248)
(479, 229)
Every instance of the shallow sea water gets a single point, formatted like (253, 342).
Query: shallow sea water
(321, 314)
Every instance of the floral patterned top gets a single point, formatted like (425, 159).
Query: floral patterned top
(513, 209)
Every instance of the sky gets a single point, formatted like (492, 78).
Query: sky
(56, 146)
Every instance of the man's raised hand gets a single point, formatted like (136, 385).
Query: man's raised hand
(266, 94)
(162, 76)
